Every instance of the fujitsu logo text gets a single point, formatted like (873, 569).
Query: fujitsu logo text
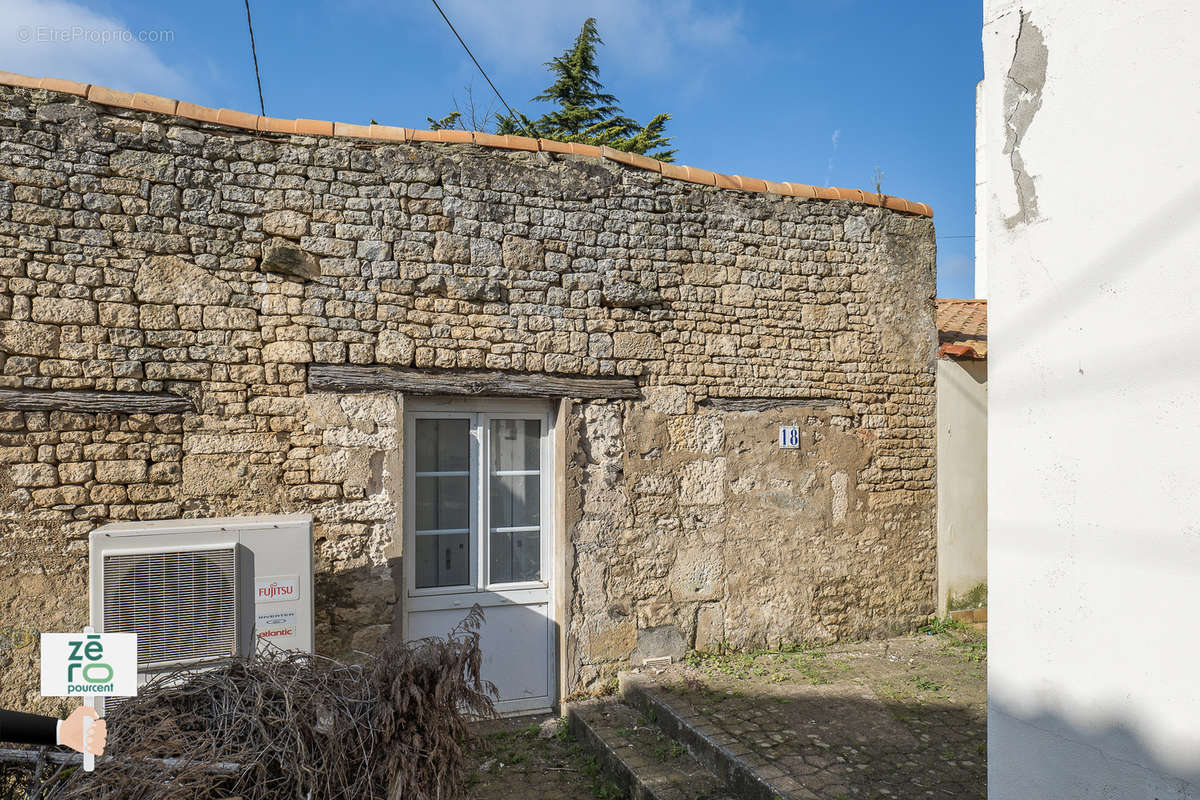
(275, 590)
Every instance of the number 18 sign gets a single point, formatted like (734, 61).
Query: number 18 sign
(789, 437)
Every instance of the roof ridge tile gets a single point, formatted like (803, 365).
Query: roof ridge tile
(140, 101)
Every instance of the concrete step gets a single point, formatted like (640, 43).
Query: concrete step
(639, 756)
(720, 753)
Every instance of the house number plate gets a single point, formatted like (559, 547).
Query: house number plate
(789, 437)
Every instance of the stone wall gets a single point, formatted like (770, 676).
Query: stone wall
(147, 253)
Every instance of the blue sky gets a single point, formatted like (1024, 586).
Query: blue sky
(814, 92)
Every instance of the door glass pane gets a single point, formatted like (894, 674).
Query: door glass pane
(443, 445)
(442, 560)
(443, 503)
(515, 500)
(516, 444)
(515, 556)
(442, 482)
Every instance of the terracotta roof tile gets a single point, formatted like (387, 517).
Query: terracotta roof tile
(66, 87)
(314, 127)
(193, 111)
(110, 97)
(152, 103)
(962, 328)
(387, 133)
(352, 131)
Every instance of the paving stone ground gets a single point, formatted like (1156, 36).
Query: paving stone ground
(900, 718)
(512, 760)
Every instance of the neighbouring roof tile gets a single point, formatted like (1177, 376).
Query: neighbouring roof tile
(962, 328)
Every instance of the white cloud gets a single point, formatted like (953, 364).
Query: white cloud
(61, 39)
(643, 37)
(837, 137)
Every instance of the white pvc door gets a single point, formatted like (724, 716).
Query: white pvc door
(477, 529)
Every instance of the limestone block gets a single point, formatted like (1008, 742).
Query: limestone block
(522, 254)
(170, 279)
(341, 465)
(666, 399)
(287, 352)
(287, 258)
(34, 475)
(698, 433)
(324, 411)
(664, 640)
(857, 229)
(450, 248)
(618, 293)
(637, 345)
(613, 643)
(77, 472)
(137, 164)
(158, 318)
(737, 295)
(125, 471)
(64, 310)
(710, 628)
(697, 574)
(702, 482)
(288, 224)
(823, 317)
(28, 338)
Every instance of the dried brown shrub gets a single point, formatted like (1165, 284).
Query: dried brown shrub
(299, 726)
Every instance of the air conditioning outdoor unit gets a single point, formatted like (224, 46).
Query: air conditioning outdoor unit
(195, 590)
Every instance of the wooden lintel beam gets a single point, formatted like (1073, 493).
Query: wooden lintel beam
(90, 402)
(354, 378)
(770, 403)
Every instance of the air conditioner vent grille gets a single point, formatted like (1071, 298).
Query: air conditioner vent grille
(182, 605)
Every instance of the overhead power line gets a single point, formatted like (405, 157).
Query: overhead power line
(261, 106)
(512, 114)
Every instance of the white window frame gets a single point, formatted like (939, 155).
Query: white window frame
(480, 413)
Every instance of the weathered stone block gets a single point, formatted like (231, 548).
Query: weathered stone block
(28, 338)
(522, 254)
(34, 475)
(170, 279)
(394, 347)
(288, 224)
(702, 482)
(623, 294)
(288, 352)
(710, 628)
(64, 311)
(138, 164)
(286, 258)
(637, 345)
(664, 640)
(823, 317)
(127, 471)
(450, 248)
(613, 643)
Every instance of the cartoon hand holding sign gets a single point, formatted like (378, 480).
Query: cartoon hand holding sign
(89, 665)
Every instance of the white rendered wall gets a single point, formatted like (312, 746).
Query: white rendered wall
(1094, 402)
(981, 196)
(962, 477)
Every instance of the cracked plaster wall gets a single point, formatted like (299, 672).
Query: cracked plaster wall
(1092, 529)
